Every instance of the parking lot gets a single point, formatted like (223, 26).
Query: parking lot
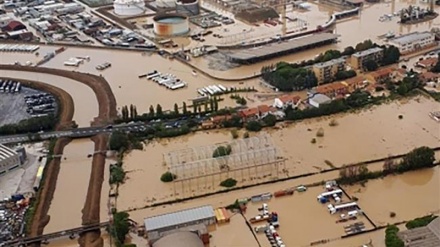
(13, 105)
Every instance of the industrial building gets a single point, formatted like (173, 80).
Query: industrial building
(9, 159)
(358, 59)
(158, 226)
(412, 42)
(179, 239)
(326, 71)
(188, 7)
(272, 50)
(426, 236)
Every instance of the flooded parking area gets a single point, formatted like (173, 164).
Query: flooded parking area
(85, 101)
(72, 184)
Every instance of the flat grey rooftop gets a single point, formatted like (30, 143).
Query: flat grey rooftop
(411, 37)
(178, 217)
(427, 236)
(273, 48)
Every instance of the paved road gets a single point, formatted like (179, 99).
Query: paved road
(84, 132)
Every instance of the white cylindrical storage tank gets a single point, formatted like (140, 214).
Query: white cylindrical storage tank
(170, 24)
(188, 7)
(129, 7)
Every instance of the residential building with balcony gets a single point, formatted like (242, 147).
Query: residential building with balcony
(326, 71)
(413, 42)
(358, 59)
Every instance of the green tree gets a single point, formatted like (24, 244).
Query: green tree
(418, 158)
(195, 107)
(159, 112)
(391, 238)
(131, 111)
(151, 113)
(222, 151)
(211, 104)
(370, 65)
(120, 227)
(205, 107)
(391, 55)
(253, 126)
(184, 110)
(119, 141)
(270, 120)
(436, 68)
(348, 51)
(167, 177)
(176, 109)
(365, 45)
(215, 104)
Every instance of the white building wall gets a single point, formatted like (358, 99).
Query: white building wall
(8, 159)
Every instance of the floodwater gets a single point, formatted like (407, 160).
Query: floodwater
(303, 220)
(71, 189)
(410, 195)
(370, 134)
(85, 102)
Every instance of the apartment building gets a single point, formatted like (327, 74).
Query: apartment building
(358, 59)
(326, 71)
(413, 41)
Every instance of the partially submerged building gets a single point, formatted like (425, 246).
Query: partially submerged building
(414, 41)
(427, 236)
(358, 59)
(159, 226)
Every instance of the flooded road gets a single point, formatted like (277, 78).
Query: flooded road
(84, 99)
(71, 189)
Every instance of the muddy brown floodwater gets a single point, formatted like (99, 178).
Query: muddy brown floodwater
(71, 188)
(366, 135)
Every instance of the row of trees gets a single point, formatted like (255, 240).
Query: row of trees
(130, 113)
(30, 125)
(422, 157)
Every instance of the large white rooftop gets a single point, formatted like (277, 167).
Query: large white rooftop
(178, 217)
(411, 37)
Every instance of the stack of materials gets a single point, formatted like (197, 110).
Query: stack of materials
(222, 215)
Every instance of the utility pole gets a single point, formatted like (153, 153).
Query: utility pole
(283, 16)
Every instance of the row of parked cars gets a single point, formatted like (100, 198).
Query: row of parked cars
(9, 86)
(39, 105)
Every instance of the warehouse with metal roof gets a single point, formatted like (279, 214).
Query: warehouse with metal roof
(179, 239)
(157, 226)
(9, 159)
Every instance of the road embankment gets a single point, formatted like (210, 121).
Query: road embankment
(101, 88)
(47, 190)
(65, 101)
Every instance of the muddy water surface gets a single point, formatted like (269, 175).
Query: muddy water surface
(71, 190)
(366, 135)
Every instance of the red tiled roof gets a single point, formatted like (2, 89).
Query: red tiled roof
(428, 62)
(429, 75)
(287, 97)
(263, 108)
(401, 71)
(249, 112)
(381, 73)
(331, 87)
(221, 118)
(355, 80)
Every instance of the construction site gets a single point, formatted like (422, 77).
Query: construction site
(245, 160)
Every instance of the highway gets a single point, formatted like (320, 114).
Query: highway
(81, 132)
